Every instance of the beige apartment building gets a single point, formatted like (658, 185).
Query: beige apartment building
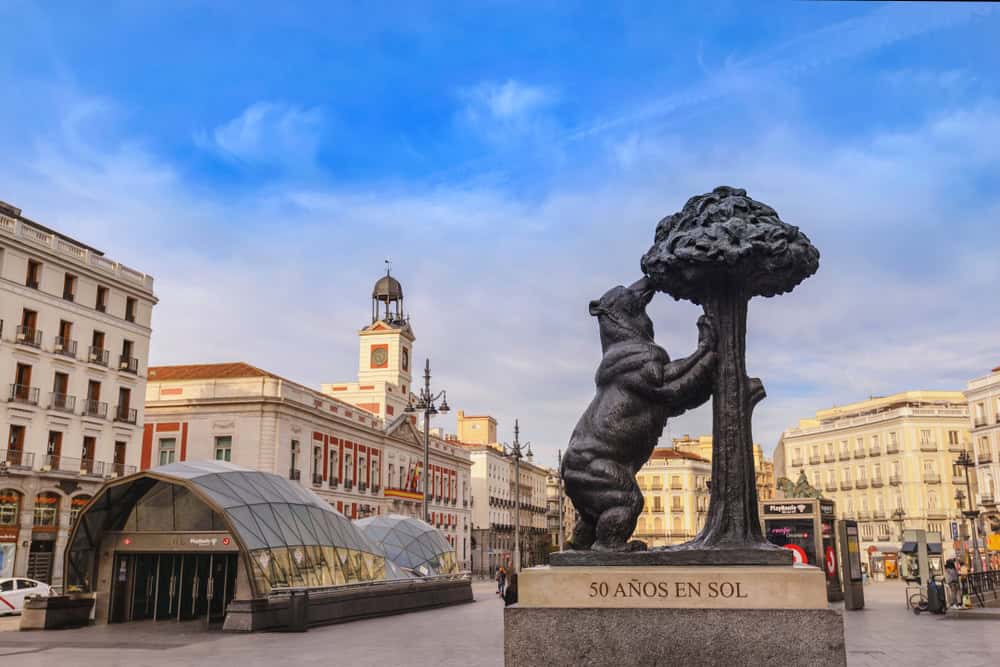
(763, 468)
(886, 461)
(495, 499)
(674, 483)
(555, 494)
(74, 344)
(983, 395)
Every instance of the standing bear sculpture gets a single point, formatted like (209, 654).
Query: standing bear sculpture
(638, 389)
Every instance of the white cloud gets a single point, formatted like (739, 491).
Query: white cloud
(268, 132)
(507, 100)
(509, 112)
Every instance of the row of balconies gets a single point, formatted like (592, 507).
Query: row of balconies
(21, 460)
(28, 395)
(876, 482)
(924, 446)
(506, 503)
(984, 421)
(66, 347)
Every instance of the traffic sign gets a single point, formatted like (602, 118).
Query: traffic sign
(830, 561)
(954, 530)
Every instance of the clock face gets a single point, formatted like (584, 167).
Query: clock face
(380, 356)
(406, 359)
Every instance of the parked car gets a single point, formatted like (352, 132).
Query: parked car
(13, 591)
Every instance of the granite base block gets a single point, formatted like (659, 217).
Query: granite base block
(555, 636)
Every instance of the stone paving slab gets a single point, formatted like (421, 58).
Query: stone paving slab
(885, 633)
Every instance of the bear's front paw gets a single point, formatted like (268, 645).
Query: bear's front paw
(706, 331)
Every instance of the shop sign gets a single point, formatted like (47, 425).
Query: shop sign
(787, 508)
(8, 533)
(826, 508)
(993, 542)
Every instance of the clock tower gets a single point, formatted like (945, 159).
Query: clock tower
(386, 356)
(386, 343)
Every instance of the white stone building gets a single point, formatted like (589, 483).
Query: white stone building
(335, 443)
(495, 493)
(74, 345)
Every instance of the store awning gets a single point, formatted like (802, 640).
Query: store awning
(933, 548)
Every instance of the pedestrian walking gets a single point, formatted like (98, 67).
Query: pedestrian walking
(501, 580)
(510, 597)
(951, 578)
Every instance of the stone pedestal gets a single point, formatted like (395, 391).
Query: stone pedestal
(708, 615)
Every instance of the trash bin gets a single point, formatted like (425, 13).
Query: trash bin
(935, 597)
(298, 612)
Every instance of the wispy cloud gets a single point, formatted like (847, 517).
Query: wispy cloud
(512, 110)
(268, 132)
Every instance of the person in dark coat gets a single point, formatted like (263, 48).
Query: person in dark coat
(510, 597)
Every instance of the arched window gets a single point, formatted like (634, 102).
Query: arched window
(46, 511)
(76, 504)
(677, 524)
(658, 525)
(10, 507)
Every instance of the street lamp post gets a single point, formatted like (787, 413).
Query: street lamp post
(424, 402)
(559, 480)
(517, 451)
(972, 514)
(899, 516)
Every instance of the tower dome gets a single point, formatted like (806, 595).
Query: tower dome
(387, 289)
(387, 299)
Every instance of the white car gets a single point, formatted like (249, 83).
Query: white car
(13, 590)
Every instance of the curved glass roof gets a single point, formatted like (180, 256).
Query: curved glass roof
(411, 544)
(291, 536)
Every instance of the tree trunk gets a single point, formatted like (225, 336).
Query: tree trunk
(733, 519)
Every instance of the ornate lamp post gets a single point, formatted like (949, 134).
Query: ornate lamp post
(972, 514)
(899, 516)
(517, 451)
(424, 402)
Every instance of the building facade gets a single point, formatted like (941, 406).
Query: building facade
(887, 462)
(555, 494)
(983, 395)
(495, 495)
(74, 345)
(674, 483)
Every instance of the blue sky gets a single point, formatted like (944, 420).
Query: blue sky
(513, 160)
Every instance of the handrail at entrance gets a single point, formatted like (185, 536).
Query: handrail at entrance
(289, 590)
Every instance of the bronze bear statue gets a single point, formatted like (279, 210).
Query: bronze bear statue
(638, 389)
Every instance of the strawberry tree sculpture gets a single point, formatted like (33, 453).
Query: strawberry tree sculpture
(719, 251)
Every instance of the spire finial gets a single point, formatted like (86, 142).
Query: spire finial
(388, 266)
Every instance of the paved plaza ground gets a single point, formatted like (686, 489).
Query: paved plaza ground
(885, 633)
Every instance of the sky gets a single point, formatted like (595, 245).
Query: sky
(512, 160)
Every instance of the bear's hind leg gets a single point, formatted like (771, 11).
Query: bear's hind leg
(613, 530)
(583, 535)
(621, 503)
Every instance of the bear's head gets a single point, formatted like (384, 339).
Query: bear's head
(621, 313)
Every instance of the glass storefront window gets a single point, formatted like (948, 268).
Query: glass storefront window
(75, 505)
(10, 507)
(46, 511)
